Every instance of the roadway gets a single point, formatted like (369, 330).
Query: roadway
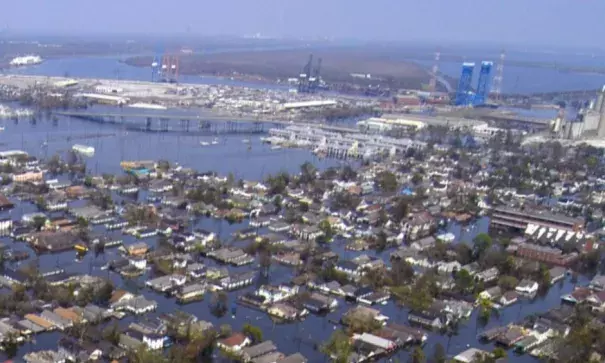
(202, 117)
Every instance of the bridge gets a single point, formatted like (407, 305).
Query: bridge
(206, 123)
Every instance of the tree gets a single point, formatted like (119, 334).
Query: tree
(253, 332)
(499, 353)
(326, 229)
(402, 271)
(507, 282)
(163, 165)
(39, 222)
(464, 281)
(308, 172)
(338, 347)
(418, 356)
(225, 330)
(400, 210)
(387, 181)
(417, 178)
(10, 345)
(439, 355)
(481, 243)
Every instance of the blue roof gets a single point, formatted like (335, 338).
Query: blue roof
(406, 191)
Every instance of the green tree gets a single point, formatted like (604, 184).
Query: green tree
(308, 173)
(338, 347)
(387, 181)
(10, 345)
(439, 355)
(327, 230)
(507, 282)
(253, 332)
(39, 222)
(418, 356)
(464, 281)
(481, 243)
(499, 353)
(417, 178)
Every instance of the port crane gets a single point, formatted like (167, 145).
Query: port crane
(304, 77)
(315, 79)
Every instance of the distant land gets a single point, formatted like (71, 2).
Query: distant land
(271, 65)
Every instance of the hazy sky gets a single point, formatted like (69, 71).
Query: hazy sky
(544, 22)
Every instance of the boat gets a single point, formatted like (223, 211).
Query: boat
(276, 147)
(1, 128)
(446, 237)
(204, 143)
(27, 60)
(215, 141)
(83, 149)
(246, 141)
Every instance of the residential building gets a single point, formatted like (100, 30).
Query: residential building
(254, 351)
(527, 287)
(235, 343)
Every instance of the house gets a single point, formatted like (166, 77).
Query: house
(254, 351)
(166, 283)
(556, 274)
(153, 341)
(424, 243)
(527, 287)
(508, 298)
(470, 355)
(350, 268)
(191, 292)
(204, 237)
(234, 256)
(235, 343)
(417, 225)
(196, 270)
(376, 342)
(6, 225)
(492, 293)
(597, 300)
(56, 320)
(237, 281)
(278, 293)
(285, 311)
(138, 262)
(160, 186)
(597, 283)
(430, 318)
(488, 275)
(294, 358)
(137, 305)
(318, 303)
(137, 249)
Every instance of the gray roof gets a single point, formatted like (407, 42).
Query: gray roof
(259, 349)
(294, 358)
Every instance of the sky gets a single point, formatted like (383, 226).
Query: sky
(577, 23)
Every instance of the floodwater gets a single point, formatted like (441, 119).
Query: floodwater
(45, 137)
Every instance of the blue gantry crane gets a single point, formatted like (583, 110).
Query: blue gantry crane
(484, 83)
(464, 92)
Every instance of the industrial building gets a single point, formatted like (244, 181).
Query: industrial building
(382, 125)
